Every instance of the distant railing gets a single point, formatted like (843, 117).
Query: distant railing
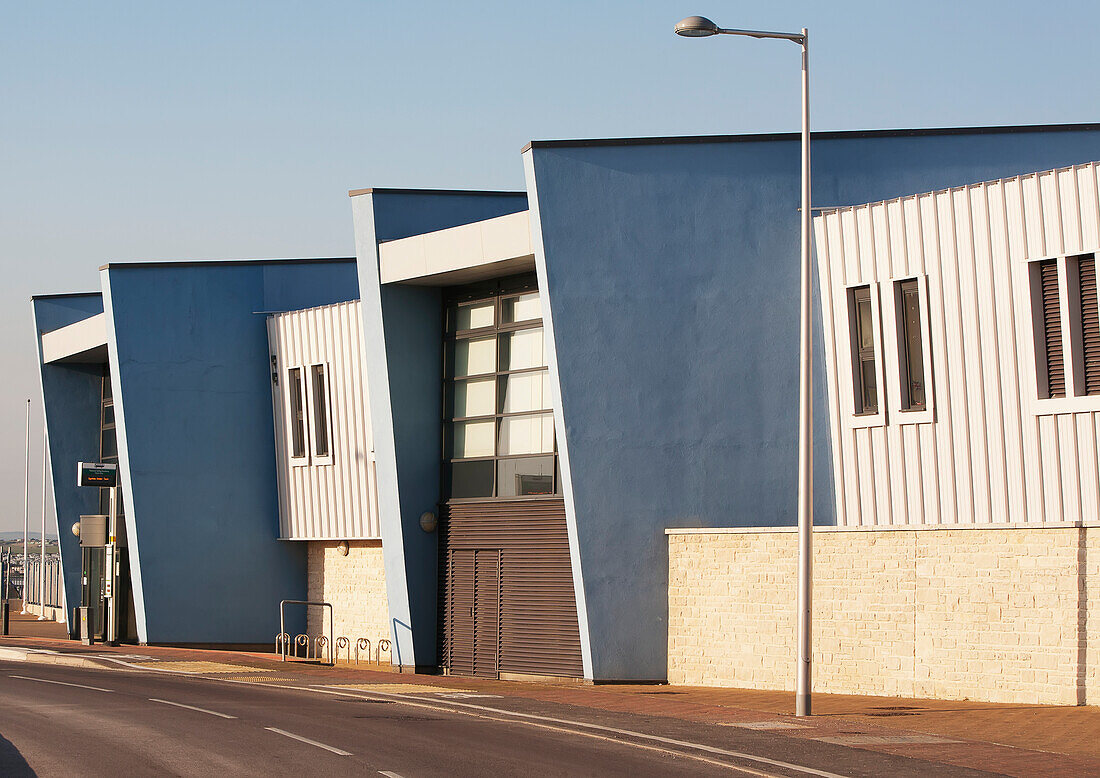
(24, 581)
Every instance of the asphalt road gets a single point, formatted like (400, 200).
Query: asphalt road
(61, 721)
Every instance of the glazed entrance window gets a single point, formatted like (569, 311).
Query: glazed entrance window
(498, 422)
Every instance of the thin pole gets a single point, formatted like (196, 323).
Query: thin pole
(45, 482)
(26, 506)
(805, 419)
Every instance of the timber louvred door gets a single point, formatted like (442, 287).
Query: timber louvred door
(536, 615)
(473, 600)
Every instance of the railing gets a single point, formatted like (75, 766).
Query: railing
(283, 643)
(25, 580)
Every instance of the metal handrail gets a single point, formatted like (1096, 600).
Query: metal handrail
(282, 623)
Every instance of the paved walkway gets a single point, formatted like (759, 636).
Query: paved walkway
(28, 625)
(1022, 740)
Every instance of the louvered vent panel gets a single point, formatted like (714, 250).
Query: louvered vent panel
(1052, 328)
(1090, 323)
(537, 604)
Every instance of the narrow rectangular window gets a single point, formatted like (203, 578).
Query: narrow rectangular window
(863, 350)
(912, 352)
(320, 411)
(1090, 322)
(297, 413)
(1052, 328)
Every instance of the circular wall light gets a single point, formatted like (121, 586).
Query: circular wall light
(428, 521)
(343, 548)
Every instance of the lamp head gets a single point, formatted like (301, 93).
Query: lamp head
(696, 27)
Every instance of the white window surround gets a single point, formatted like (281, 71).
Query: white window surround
(893, 356)
(311, 421)
(1075, 401)
(846, 359)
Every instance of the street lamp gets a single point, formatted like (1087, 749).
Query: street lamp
(701, 27)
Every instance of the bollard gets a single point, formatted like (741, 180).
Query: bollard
(5, 608)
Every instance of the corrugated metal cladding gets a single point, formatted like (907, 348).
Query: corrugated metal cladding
(329, 497)
(994, 452)
(506, 590)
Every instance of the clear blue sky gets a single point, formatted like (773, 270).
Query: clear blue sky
(154, 130)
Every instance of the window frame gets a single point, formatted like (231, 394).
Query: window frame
(850, 357)
(311, 416)
(1075, 401)
(498, 291)
(895, 358)
(291, 418)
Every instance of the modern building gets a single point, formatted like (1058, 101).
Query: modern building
(659, 276)
(532, 388)
(962, 358)
(166, 371)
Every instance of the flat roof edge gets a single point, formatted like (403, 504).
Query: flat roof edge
(224, 262)
(397, 190)
(59, 295)
(818, 135)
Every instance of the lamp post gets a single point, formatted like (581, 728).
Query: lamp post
(701, 27)
(42, 548)
(26, 508)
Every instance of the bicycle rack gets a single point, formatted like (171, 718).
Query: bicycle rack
(319, 647)
(342, 642)
(362, 643)
(282, 640)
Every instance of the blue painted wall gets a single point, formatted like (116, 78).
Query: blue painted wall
(71, 399)
(192, 383)
(670, 276)
(402, 328)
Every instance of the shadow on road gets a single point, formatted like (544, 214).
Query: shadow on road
(12, 762)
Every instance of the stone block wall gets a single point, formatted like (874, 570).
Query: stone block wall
(355, 585)
(997, 613)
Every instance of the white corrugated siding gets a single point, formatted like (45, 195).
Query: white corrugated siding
(325, 501)
(987, 455)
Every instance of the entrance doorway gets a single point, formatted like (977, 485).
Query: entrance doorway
(474, 606)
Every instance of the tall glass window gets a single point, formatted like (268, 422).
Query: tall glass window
(498, 421)
(297, 418)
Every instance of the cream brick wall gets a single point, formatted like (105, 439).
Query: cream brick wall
(355, 585)
(996, 614)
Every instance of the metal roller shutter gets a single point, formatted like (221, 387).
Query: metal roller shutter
(532, 584)
(1052, 328)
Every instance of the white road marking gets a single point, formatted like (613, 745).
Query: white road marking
(192, 707)
(61, 683)
(291, 735)
(625, 732)
(389, 774)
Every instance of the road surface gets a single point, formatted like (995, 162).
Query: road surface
(62, 721)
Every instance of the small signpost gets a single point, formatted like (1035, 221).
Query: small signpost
(97, 474)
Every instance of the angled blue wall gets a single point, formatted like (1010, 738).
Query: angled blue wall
(670, 279)
(402, 329)
(71, 399)
(191, 378)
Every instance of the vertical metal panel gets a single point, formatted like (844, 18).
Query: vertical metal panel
(985, 454)
(332, 500)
